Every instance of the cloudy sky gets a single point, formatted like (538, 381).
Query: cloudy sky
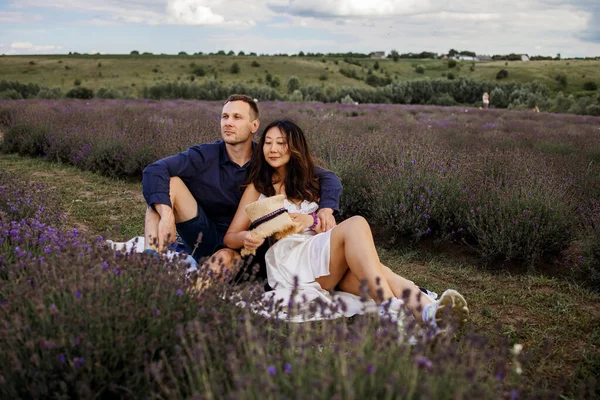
(545, 27)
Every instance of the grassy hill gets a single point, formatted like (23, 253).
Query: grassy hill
(132, 73)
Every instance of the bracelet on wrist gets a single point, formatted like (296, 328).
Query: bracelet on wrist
(315, 221)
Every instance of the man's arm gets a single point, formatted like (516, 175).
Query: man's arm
(156, 176)
(331, 191)
(159, 225)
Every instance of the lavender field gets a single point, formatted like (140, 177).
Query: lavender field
(511, 186)
(78, 320)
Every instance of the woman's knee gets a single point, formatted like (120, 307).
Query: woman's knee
(356, 223)
(223, 260)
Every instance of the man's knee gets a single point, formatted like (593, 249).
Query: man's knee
(176, 181)
(183, 202)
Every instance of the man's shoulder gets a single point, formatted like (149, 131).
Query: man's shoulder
(208, 150)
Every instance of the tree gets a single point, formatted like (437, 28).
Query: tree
(502, 74)
(199, 71)
(293, 84)
(301, 54)
(376, 66)
(275, 82)
(221, 52)
(235, 68)
(182, 53)
(241, 53)
(231, 53)
(394, 55)
(133, 53)
(561, 79)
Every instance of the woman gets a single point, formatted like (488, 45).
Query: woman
(340, 258)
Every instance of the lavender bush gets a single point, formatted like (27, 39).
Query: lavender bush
(511, 185)
(79, 320)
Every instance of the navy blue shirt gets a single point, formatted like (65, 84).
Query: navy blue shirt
(215, 181)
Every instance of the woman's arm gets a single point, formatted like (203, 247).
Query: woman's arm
(237, 235)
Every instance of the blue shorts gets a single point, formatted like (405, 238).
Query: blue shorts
(200, 235)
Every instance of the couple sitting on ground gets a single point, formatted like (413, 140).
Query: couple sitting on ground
(202, 195)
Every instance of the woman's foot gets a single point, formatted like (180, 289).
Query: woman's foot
(450, 308)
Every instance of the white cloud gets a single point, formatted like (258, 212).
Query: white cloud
(11, 17)
(193, 12)
(239, 13)
(355, 8)
(21, 45)
(29, 47)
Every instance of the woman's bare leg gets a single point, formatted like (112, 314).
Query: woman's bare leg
(352, 248)
(415, 301)
(224, 264)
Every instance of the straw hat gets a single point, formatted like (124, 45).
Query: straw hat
(269, 217)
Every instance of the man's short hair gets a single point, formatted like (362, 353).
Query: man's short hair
(246, 99)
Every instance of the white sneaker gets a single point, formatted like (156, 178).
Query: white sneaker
(451, 306)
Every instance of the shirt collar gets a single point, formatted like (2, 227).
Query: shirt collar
(224, 157)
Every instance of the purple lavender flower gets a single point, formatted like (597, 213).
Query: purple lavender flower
(78, 362)
(423, 362)
(271, 370)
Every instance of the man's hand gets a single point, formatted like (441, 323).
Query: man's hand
(166, 227)
(326, 220)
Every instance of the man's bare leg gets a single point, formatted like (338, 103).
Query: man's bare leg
(184, 208)
(151, 229)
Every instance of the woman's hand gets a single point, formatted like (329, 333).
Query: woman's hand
(251, 240)
(303, 221)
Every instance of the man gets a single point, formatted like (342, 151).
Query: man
(196, 193)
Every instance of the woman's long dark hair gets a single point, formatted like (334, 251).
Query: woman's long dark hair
(300, 181)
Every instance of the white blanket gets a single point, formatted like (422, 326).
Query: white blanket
(136, 245)
(300, 310)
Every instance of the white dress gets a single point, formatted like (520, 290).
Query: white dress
(294, 262)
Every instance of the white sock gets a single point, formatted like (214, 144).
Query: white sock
(428, 314)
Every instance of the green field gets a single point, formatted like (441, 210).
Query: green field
(131, 74)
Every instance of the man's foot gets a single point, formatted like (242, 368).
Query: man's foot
(451, 307)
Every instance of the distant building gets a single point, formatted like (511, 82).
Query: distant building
(377, 54)
(485, 58)
(524, 57)
(465, 58)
